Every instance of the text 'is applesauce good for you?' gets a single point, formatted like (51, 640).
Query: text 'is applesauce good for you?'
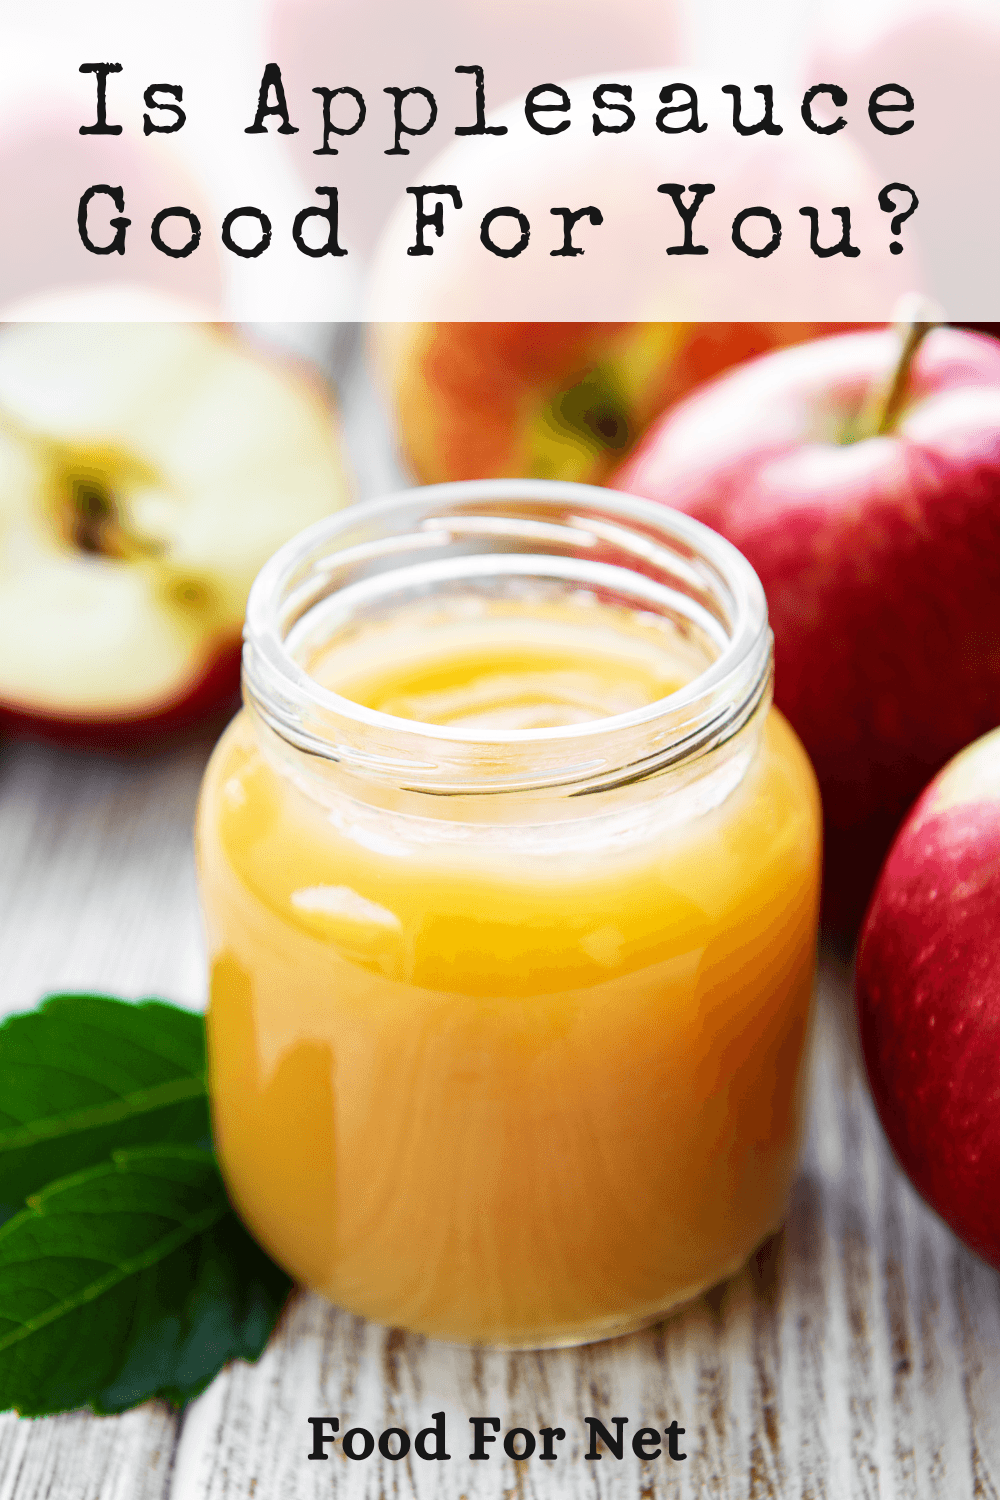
(505, 231)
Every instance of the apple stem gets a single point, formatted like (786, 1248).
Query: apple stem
(913, 335)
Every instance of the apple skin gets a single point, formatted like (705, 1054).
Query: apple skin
(549, 400)
(205, 707)
(880, 558)
(928, 996)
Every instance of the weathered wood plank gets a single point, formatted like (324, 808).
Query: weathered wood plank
(857, 1356)
(96, 889)
(80, 1457)
(96, 874)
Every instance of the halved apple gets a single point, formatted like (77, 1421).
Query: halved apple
(147, 471)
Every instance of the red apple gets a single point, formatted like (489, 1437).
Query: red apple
(928, 994)
(554, 400)
(147, 471)
(879, 552)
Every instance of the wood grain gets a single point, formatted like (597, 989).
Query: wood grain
(858, 1355)
(80, 1457)
(856, 1358)
(96, 890)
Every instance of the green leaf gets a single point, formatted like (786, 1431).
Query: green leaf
(129, 1280)
(85, 1075)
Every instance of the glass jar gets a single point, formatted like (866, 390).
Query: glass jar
(507, 1024)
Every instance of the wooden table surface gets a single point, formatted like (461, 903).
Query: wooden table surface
(857, 1356)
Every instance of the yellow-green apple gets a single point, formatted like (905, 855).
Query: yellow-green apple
(552, 400)
(928, 995)
(879, 552)
(147, 471)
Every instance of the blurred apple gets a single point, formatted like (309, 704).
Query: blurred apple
(947, 54)
(478, 390)
(928, 995)
(147, 471)
(552, 400)
(45, 166)
(879, 552)
(632, 266)
(518, 44)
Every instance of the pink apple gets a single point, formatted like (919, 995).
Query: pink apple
(928, 994)
(947, 54)
(622, 269)
(45, 166)
(880, 555)
(517, 43)
(147, 471)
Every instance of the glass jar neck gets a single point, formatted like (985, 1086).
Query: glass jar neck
(507, 540)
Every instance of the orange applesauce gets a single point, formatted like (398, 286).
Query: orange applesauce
(495, 1061)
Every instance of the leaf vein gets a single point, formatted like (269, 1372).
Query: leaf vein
(142, 1101)
(188, 1230)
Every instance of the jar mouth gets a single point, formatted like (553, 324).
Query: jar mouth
(477, 534)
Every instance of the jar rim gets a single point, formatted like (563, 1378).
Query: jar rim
(286, 695)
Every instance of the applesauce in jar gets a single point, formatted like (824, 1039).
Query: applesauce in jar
(510, 875)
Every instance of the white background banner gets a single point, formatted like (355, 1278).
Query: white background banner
(654, 159)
